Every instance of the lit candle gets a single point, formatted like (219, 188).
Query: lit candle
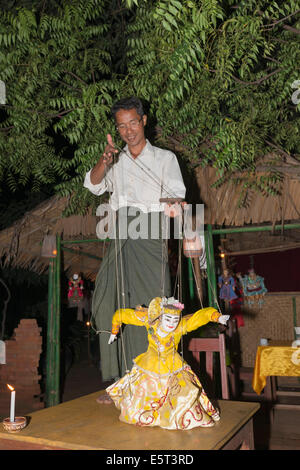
(12, 403)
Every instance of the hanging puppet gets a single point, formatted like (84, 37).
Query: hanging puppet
(161, 389)
(75, 292)
(253, 288)
(227, 286)
(236, 303)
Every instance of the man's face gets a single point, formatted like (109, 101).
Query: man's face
(131, 127)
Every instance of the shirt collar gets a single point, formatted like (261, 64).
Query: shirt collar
(147, 149)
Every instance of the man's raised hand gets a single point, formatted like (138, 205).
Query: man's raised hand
(109, 151)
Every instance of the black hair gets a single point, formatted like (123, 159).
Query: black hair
(128, 103)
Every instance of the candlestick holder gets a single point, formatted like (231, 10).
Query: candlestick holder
(14, 426)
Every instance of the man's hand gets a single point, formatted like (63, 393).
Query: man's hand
(174, 209)
(109, 151)
(100, 169)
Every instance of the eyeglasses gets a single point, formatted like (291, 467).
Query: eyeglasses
(134, 124)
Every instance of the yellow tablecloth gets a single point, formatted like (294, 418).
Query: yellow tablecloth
(275, 359)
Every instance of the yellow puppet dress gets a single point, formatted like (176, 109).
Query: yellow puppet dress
(161, 389)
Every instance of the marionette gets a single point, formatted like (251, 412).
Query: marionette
(161, 389)
(253, 288)
(75, 292)
(227, 286)
(236, 304)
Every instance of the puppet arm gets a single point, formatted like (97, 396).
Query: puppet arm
(202, 317)
(128, 316)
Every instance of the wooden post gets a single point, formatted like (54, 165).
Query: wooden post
(57, 266)
(211, 271)
(50, 339)
(53, 331)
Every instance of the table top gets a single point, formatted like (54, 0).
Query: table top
(84, 424)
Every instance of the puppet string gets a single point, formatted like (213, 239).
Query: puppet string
(148, 172)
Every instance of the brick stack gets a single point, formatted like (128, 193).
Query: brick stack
(21, 369)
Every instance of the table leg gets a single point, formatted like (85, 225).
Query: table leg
(243, 439)
(269, 393)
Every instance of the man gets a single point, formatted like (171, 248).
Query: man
(131, 272)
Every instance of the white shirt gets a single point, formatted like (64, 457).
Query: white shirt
(141, 182)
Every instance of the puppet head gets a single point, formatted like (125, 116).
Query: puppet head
(160, 306)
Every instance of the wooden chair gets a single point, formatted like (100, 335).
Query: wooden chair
(240, 377)
(209, 346)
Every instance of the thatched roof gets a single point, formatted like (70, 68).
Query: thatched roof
(20, 244)
(222, 203)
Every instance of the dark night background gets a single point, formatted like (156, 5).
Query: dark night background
(280, 270)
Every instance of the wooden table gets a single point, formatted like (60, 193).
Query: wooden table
(84, 424)
(278, 359)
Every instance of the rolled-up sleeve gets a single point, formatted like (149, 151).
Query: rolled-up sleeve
(97, 189)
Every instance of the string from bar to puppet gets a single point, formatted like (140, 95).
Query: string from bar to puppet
(192, 248)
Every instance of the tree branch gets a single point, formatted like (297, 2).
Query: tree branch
(60, 114)
(283, 152)
(35, 111)
(290, 28)
(282, 19)
(258, 81)
(67, 84)
(75, 76)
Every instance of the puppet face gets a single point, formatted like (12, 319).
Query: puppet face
(169, 322)
(252, 274)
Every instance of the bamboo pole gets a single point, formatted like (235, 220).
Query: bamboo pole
(50, 338)
(81, 253)
(53, 330)
(57, 294)
(211, 271)
(88, 240)
(264, 228)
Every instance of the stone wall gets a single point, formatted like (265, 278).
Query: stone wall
(23, 352)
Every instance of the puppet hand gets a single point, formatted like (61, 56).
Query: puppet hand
(112, 338)
(224, 319)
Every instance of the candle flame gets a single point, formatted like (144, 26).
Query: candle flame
(10, 387)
